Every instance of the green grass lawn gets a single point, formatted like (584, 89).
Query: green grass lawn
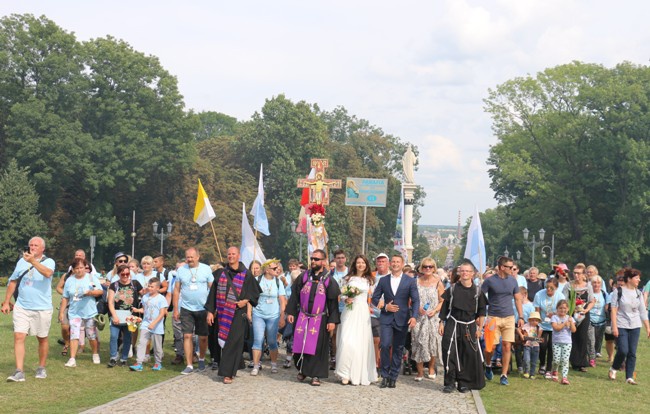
(590, 392)
(68, 390)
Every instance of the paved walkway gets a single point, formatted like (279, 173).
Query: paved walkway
(281, 393)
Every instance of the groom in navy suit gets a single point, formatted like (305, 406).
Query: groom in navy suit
(395, 318)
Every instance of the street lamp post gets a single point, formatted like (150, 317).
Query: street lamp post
(551, 250)
(533, 244)
(299, 235)
(162, 235)
(506, 253)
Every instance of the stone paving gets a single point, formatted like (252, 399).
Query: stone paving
(282, 393)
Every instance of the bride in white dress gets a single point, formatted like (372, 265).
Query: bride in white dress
(355, 352)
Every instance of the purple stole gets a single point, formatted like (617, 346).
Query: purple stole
(305, 334)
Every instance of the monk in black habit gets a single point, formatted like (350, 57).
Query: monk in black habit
(233, 289)
(313, 307)
(463, 313)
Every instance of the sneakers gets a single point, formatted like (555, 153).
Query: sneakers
(71, 363)
(274, 368)
(612, 374)
(526, 375)
(111, 363)
(592, 363)
(96, 359)
(188, 370)
(18, 376)
(541, 371)
(598, 355)
(504, 380)
(41, 373)
(548, 375)
(631, 381)
(214, 366)
(488, 373)
(122, 363)
(255, 371)
(565, 381)
(201, 365)
(156, 367)
(532, 377)
(287, 364)
(137, 367)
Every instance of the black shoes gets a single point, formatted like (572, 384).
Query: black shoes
(448, 389)
(384, 383)
(391, 383)
(463, 389)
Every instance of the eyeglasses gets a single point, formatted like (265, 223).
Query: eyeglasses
(507, 267)
(274, 268)
(427, 267)
(317, 259)
(125, 274)
(122, 261)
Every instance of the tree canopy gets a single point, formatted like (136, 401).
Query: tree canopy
(100, 130)
(573, 157)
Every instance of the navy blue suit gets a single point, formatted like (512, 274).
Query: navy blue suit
(394, 325)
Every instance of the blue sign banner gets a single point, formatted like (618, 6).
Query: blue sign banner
(366, 192)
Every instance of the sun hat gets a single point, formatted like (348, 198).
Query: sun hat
(535, 315)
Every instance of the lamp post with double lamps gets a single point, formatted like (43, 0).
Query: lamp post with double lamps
(533, 244)
(161, 235)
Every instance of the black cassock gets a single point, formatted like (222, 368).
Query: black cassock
(231, 354)
(461, 351)
(316, 365)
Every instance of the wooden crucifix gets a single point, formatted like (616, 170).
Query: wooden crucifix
(319, 186)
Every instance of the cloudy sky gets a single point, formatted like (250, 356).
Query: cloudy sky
(418, 69)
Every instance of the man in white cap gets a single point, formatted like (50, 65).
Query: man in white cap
(381, 270)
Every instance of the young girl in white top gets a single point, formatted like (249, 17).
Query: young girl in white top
(563, 325)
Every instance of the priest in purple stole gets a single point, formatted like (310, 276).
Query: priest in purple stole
(313, 306)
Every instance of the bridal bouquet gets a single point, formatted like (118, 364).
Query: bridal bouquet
(350, 292)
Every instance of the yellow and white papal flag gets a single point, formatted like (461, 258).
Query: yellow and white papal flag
(203, 211)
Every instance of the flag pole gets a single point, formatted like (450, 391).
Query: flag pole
(216, 241)
(255, 245)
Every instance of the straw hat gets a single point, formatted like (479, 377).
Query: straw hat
(535, 315)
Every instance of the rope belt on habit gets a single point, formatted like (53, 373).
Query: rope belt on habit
(454, 342)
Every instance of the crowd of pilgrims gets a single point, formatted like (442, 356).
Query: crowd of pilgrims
(326, 316)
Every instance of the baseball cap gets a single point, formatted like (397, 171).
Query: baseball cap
(380, 255)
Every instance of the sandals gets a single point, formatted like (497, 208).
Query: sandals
(315, 382)
(301, 377)
(64, 351)
(227, 380)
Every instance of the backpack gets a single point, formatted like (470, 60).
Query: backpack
(20, 278)
(451, 298)
(620, 294)
(277, 282)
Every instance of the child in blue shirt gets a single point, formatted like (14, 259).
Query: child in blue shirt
(154, 309)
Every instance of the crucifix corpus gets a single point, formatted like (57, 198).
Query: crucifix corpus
(319, 186)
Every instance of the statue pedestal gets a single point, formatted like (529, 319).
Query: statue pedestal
(409, 196)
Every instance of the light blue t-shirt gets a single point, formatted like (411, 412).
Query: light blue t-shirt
(35, 290)
(597, 314)
(563, 336)
(268, 305)
(195, 286)
(338, 276)
(81, 306)
(144, 280)
(521, 281)
(152, 307)
(546, 304)
(527, 308)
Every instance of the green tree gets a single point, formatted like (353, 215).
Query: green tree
(215, 124)
(19, 218)
(573, 156)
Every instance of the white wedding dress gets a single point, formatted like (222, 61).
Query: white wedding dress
(355, 352)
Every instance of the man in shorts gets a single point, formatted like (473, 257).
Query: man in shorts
(501, 289)
(193, 282)
(33, 308)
